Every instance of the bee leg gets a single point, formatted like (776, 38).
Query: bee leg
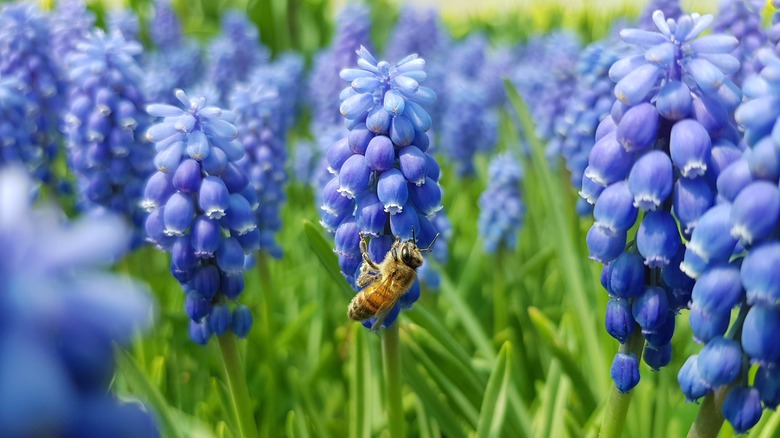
(366, 257)
(366, 277)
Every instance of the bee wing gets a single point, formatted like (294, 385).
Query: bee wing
(382, 313)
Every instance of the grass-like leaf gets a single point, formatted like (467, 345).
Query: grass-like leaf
(324, 252)
(494, 403)
(137, 380)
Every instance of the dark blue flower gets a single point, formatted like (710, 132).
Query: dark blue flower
(742, 408)
(62, 315)
(385, 196)
(212, 221)
(669, 137)
(106, 123)
(234, 53)
(501, 205)
(26, 56)
(625, 371)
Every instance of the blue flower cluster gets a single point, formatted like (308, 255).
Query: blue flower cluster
(545, 77)
(17, 131)
(125, 22)
(734, 254)
(660, 152)
(742, 19)
(202, 212)
(176, 64)
(501, 205)
(353, 30)
(385, 185)
(262, 129)
(165, 26)
(234, 53)
(61, 316)
(106, 123)
(26, 56)
(590, 102)
(71, 22)
(469, 125)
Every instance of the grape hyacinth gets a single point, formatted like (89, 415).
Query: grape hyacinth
(202, 212)
(61, 317)
(352, 30)
(176, 64)
(468, 127)
(545, 77)
(17, 139)
(260, 124)
(234, 53)
(734, 253)
(590, 102)
(71, 22)
(660, 152)
(26, 56)
(105, 128)
(670, 8)
(501, 205)
(165, 26)
(742, 19)
(385, 184)
(124, 21)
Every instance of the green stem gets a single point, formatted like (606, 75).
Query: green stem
(391, 355)
(499, 294)
(239, 394)
(614, 419)
(710, 418)
(269, 405)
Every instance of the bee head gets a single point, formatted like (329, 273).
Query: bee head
(408, 253)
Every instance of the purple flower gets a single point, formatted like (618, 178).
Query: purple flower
(106, 122)
(501, 205)
(209, 226)
(62, 315)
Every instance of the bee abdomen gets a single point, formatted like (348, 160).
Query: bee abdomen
(359, 309)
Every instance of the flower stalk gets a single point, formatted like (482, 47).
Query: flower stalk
(239, 395)
(391, 357)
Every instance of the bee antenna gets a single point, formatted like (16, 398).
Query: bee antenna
(414, 239)
(431, 244)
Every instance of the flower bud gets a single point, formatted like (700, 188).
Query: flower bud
(625, 372)
(720, 362)
(651, 180)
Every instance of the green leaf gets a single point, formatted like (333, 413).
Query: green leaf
(139, 383)
(494, 403)
(324, 252)
(431, 398)
(570, 259)
(446, 385)
(557, 347)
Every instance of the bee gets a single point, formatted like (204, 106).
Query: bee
(383, 284)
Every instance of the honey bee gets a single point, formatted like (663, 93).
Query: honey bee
(383, 284)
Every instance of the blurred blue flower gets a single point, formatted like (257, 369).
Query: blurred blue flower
(670, 8)
(501, 205)
(165, 26)
(62, 314)
(385, 185)
(105, 127)
(353, 28)
(202, 210)
(742, 20)
(234, 53)
(260, 123)
(71, 22)
(124, 21)
(26, 56)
